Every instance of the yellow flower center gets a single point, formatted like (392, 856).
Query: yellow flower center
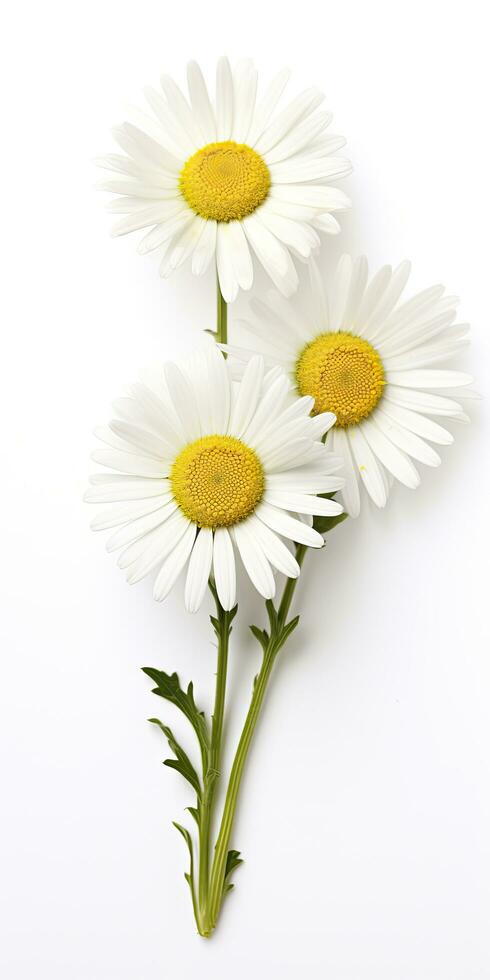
(225, 181)
(217, 481)
(343, 373)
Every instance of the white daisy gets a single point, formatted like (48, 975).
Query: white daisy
(203, 466)
(369, 359)
(222, 180)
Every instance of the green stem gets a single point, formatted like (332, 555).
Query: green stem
(211, 776)
(222, 317)
(288, 592)
(277, 638)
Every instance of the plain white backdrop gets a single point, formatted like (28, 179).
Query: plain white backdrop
(365, 819)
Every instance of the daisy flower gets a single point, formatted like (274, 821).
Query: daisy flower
(204, 467)
(222, 180)
(369, 359)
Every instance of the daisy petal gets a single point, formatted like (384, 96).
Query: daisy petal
(254, 560)
(174, 563)
(288, 526)
(199, 569)
(224, 568)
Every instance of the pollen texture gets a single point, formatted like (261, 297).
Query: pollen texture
(344, 374)
(225, 181)
(217, 481)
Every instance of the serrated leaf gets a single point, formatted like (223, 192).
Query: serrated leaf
(168, 687)
(187, 837)
(233, 859)
(194, 812)
(286, 632)
(261, 635)
(189, 875)
(181, 763)
(186, 771)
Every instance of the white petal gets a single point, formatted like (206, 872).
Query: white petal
(274, 549)
(367, 466)
(422, 401)
(228, 281)
(288, 526)
(303, 503)
(174, 564)
(137, 528)
(170, 124)
(224, 99)
(356, 292)
(116, 516)
(107, 493)
(407, 441)
(372, 296)
(319, 297)
(218, 393)
(417, 423)
(180, 108)
(143, 440)
(300, 108)
(129, 463)
(429, 379)
(268, 408)
(224, 568)
(205, 249)
(183, 400)
(396, 461)
(247, 397)
(350, 492)
(200, 102)
(244, 92)
(304, 481)
(238, 265)
(372, 328)
(271, 254)
(254, 560)
(340, 291)
(295, 234)
(199, 569)
(267, 105)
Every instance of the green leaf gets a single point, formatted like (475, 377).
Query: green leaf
(187, 837)
(272, 614)
(181, 763)
(286, 632)
(325, 524)
(233, 859)
(168, 687)
(261, 635)
(194, 812)
(189, 875)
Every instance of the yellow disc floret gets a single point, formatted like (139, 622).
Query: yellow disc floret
(343, 373)
(217, 481)
(225, 181)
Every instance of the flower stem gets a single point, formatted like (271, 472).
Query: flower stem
(223, 629)
(278, 635)
(222, 317)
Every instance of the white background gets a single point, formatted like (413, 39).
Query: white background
(366, 814)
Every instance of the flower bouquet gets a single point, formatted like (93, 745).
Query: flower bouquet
(257, 452)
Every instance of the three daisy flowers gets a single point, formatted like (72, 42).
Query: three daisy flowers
(338, 392)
